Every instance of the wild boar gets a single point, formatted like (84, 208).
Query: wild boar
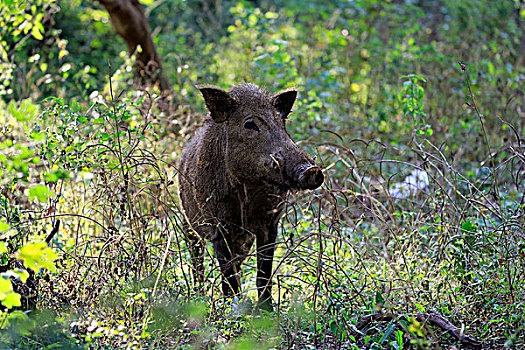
(234, 178)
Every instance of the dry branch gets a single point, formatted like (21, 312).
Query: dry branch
(433, 318)
(437, 320)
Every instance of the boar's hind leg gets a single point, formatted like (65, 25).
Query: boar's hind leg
(265, 250)
(228, 265)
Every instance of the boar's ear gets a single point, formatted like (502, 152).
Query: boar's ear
(218, 102)
(284, 100)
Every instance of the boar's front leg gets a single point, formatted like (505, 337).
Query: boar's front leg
(228, 265)
(265, 251)
(196, 248)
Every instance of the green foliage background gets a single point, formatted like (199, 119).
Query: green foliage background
(388, 90)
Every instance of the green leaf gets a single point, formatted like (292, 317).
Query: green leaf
(54, 176)
(5, 286)
(26, 112)
(7, 296)
(11, 300)
(420, 307)
(38, 136)
(19, 322)
(399, 337)
(41, 192)
(3, 227)
(387, 333)
(37, 255)
(13, 110)
(35, 32)
(23, 274)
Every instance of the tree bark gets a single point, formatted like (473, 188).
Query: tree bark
(129, 21)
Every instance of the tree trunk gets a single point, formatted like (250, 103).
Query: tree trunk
(129, 21)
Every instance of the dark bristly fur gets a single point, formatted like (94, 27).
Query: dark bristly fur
(235, 175)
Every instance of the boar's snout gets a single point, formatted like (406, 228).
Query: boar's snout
(303, 176)
(311, 178)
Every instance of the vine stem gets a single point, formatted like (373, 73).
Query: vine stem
(480, 117)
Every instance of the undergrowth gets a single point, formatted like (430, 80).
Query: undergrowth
(387, 237)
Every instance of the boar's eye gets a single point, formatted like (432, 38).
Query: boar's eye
(250, 124)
